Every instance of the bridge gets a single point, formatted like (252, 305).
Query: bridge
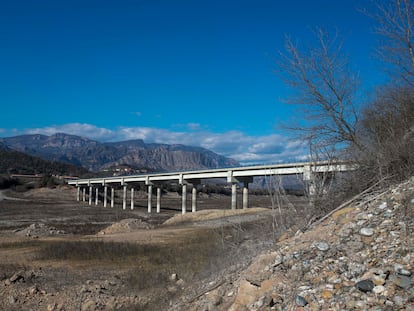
(234, 176)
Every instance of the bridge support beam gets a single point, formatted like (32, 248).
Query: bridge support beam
(90, 195)
(96, 196)
(245, 181)
(132, 198)
(149, 198)
(245, 197)
(124, 197)
(105, 194)
(78, 193)
(309, 180)
(84, 194)
(112, 197)
(234, 196)
(184, 198)
(194, 199)
(158, 200)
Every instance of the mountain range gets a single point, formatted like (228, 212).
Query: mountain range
(98, 156)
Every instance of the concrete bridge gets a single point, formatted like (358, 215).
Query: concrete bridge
(234, 176)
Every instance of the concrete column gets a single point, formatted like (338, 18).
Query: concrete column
(78, 193)
(105, 202)
(112, 197)
(158, 200)
(184, 199)
(132, 198)
(84, 194)
(124, 197)
(90, 195)
(149, 198)
(309, 180)
(233, 196)
(97, 196)
(245, 196)
(194, 199)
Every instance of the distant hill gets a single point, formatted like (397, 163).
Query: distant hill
(97, 156)
(15, 162)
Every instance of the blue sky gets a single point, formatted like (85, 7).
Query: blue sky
(192, 72)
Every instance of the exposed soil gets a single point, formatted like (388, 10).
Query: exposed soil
(59, 254)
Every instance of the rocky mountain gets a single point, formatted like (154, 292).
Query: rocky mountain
(98, 156)
(15, 162)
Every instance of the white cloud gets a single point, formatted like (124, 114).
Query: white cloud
(244, 148)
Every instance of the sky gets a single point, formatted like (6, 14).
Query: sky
(193, 72)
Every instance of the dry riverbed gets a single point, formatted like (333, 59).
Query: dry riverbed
(58, 254)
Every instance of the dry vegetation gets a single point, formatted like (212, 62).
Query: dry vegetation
(64, 253)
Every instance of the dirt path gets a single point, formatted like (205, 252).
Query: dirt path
(3, 197)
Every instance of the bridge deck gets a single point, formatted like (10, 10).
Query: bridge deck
(230, 173)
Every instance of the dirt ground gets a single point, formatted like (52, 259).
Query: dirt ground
(59, 254)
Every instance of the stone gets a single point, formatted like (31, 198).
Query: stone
(366, 232)
(365, 286)
(17, 277)
(12, 299)
(322, 246)
(382, 206)
(89, 305)
(401, 281)
(327, 294)
(300, 301)
(33, 290)
(379, 289)
(180, 282)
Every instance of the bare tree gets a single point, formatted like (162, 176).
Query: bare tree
(325, 88)
(395, 20)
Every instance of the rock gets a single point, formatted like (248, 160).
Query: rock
(180, 282)
(379, 289)
(322, 246)
(89, 305)
(366, 232)
(365, 286)
(12, 300)
(382, 206)
(33, 290)
(401, 281)
(17, 277)
(51, 307)
(174, 277)
(300, 301)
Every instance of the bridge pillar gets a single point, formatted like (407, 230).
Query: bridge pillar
(84, 194)
(234, 196)
(245, 181)
(245, 197)
(158, 200)
(124, 197)
(96, 196)
(184, 199)
(194, 199)
(309, 179)
(90, 195)
(149, 198)
(132, 198)
(112, 197)
(105, 200)
(78, 193)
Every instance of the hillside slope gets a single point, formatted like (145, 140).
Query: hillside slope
(14, 162)
(359, 258)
